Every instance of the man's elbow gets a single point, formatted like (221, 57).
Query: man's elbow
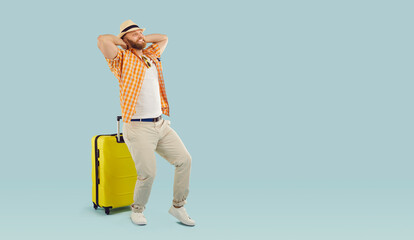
(102, 40)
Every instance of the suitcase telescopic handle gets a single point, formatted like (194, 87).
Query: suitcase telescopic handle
(118, 135)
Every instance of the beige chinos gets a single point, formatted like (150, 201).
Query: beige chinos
(143, 140)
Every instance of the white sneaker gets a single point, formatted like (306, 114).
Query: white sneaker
(181, 215)
(138, 218)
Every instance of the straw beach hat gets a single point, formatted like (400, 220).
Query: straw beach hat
(128, 26)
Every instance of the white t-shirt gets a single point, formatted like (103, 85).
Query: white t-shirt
(149, 100)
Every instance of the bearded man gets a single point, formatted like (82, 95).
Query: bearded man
(143, 101)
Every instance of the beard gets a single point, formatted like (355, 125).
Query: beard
(137, 45)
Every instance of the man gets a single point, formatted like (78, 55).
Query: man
(143, 100)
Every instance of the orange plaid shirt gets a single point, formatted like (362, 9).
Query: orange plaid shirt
(130, 71)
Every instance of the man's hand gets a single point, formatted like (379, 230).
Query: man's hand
(123, 45)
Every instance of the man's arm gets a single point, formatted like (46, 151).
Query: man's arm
(108, 45)
(160, 39)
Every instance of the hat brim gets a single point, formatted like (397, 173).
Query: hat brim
(130, 30)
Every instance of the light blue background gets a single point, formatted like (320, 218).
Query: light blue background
(298, 116)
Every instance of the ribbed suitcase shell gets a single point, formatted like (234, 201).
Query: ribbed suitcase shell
(113, 173)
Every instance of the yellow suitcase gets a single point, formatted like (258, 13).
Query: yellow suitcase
(113, 172)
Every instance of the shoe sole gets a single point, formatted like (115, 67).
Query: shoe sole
(140, 224)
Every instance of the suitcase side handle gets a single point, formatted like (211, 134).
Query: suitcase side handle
(119, 139)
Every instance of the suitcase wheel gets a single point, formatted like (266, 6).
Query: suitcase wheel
(95, 206)
(107, 209)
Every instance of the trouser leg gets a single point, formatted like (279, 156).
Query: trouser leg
(174, 151)
(141, 140)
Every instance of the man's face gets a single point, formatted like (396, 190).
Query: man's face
(135, 39)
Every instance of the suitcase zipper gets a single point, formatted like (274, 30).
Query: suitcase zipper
(97, 180)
